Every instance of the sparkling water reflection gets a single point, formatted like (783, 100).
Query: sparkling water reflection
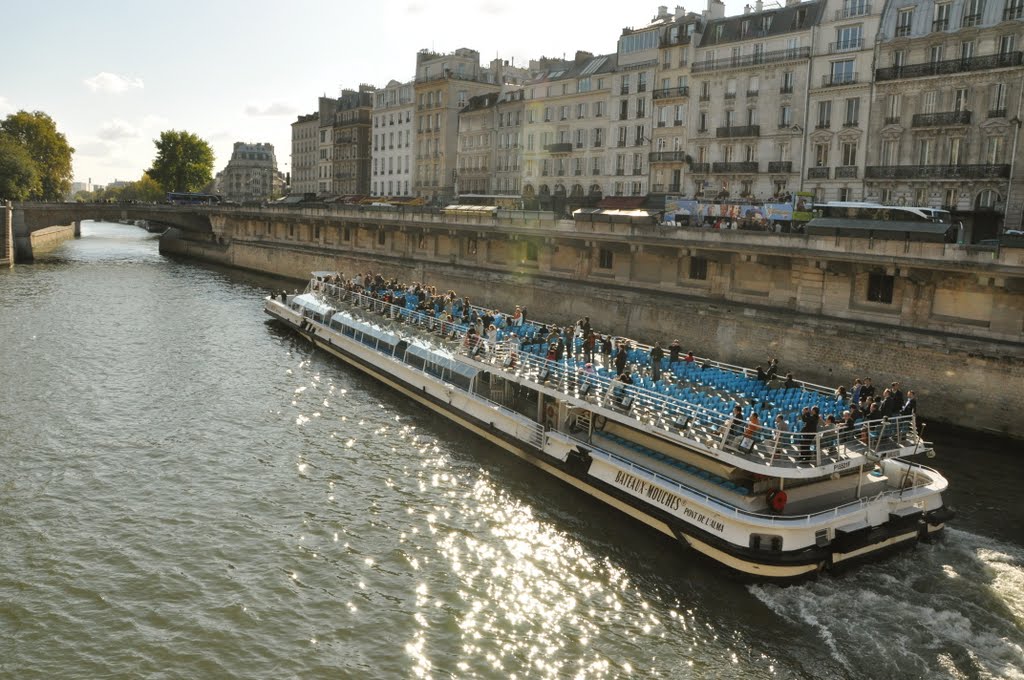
(190, 491)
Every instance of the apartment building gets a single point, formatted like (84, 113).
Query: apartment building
(393, 137)
(752, 75)
(251, 174)
(671, 103)
(444, 83)
(305, 148)
(839, 99)
(566, 157)
(477, 147)
(946, 119)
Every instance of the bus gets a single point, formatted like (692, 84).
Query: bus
(866, 210)
(181, 198)
(786, 213)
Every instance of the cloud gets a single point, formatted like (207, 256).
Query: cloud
(274, 109)
(491, 8)
(117, 129)
(94, 148)
(414, 8)
(5, 106)
(112, 83)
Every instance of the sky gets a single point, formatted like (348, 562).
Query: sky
(114, 74)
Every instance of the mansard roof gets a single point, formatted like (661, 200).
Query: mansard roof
(783, 20)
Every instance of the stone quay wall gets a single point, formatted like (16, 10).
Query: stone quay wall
(969, 382)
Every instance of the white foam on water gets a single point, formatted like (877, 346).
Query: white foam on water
(950, 609)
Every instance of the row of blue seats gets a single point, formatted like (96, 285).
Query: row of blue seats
(675, 462)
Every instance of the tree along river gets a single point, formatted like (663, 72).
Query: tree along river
(187, 490)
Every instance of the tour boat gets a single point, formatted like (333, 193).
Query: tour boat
(770, 504)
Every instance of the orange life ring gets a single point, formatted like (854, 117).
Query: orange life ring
(550, 415)
(777, 500)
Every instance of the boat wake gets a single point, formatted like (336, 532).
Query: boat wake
(951, 609)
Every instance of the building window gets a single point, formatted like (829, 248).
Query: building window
(605, 258)
(849, 154)
(346, 234)
(903, 21)
(698, 269)
(382, 237)
(824, 114)
(531, 251)
(880, 288)
(852, 111)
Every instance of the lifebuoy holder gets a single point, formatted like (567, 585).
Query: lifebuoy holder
(549, 415)
(777, 500)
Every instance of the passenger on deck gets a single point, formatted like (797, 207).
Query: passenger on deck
(782, 429)
(909, 407)
(773, 369)
(657, 354)
(589, 344)
(841, 398)
(674, 350)
(733, 427)
(867, 391)
(790, 383)
(761, 375)
(621, 358)
(689, 358)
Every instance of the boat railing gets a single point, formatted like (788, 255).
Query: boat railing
(728, 509)
(709, 426)
(762, 444)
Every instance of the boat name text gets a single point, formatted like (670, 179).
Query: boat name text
(701, 518)
(654, 493)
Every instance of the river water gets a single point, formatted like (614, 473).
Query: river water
(189, 491)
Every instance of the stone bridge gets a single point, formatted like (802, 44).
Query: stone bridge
(29, 217)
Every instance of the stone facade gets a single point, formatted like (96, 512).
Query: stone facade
(947, 110)
(251, 174)
(391, 171)
(305, 148)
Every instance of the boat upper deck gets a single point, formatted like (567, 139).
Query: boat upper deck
(691, 405)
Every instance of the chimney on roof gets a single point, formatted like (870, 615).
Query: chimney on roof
(716, 9)
(790, 3)
(759, 6)
(746, 9)
(662, 11)
(680, 11)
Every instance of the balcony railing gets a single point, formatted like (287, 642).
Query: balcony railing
(1014, 11)
(937, 172)
(667, 156)
(674, 188)
(903, 30)
(846, 45)
(786, 89)
(944, 118)
(560, 147)
(970, 20)
(738, 131)
(940, 25)
(705, 98)
(780, 166)
(752, 93)
(892, 120)
(997, 113)
(772, 57)
(671, 92)
(741, 166)
(730, 95)
(940, 68)
(846, 172)
(818, 173)
(834, 79)
(854, 10)
(700, 168)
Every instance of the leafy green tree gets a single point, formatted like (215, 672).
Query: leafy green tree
(18, 175)
(183, 162)
(49, 150)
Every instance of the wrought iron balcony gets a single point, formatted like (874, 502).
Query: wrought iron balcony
(892, 120)
(903, 30)
(941, 68)
(940, 25)
(937, 119)
(752, 93)
(738, 131)
(772, 57)
(818, 173)
(937, 172)
(846, 172)
(560, 147)
(700, 168)
(674, 188)
(671, 92)
(846, 45)
(705, 97)
(834, 79)
(737, 167)
(667, 156)
(1014, 11)
(786, 89)
(970, 20)
(854, 10)
(997, 113)
(780, 166)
